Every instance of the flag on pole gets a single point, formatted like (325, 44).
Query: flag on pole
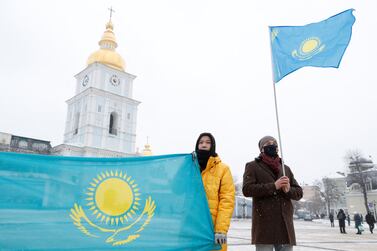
(153, 203)
(319, 44)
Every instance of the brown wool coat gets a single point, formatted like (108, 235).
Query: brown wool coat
(272, 221)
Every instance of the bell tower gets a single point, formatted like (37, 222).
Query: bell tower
(101, 116)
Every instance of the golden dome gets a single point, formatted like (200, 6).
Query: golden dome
(147, 151)
(107, 54)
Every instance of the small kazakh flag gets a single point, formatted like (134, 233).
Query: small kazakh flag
(153, 203)
(318, 44)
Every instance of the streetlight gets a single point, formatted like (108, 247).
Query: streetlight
(341, 173)
(244, 204)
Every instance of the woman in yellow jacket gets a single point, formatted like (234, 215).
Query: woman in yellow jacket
(218, 184)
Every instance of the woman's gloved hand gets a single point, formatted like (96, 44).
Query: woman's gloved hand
(220, 238)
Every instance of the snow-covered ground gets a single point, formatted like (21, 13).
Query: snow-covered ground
(315, 235)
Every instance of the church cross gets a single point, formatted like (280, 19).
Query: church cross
(111, 12)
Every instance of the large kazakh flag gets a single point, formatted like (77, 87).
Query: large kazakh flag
(75, 203)
(318, 44)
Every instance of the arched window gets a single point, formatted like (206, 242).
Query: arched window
(77, 121)
(113, 123)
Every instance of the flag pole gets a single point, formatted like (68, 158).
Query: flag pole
(276, 105)
(278, 126)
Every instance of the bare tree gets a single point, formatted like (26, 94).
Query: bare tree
(330, 192)
(317, 206)
(357, 165)
(318, 183)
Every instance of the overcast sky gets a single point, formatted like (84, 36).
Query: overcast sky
(200, 66)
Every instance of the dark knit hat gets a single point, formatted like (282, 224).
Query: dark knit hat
(264, 140)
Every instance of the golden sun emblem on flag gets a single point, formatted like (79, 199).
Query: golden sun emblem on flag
(114, 201)
(308, 48)
(113, 197)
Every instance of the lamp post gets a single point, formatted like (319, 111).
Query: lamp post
(341, 173)
(244, 204)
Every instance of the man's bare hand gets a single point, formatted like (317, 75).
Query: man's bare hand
(282, 183)
(286, 188)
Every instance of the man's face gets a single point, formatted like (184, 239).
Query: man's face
(270, 143)
(204, 143)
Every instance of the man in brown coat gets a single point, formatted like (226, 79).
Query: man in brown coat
(272, 223)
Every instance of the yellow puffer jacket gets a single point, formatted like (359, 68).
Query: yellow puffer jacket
(219, 187)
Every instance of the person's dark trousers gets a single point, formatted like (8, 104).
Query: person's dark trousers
(342, 226)
(371, 227)
(262, 247)
(358, 230)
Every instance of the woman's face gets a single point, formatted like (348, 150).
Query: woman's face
(204, 143)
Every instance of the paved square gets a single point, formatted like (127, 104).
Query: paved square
(315, 235)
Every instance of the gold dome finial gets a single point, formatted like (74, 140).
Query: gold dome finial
(108, 40)
(147, 151)
(109, 24)
(107, 54)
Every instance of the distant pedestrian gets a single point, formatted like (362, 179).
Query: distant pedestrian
(349, 220)
(369, 218)
(331, 218)
(358, 226)
(342, 221)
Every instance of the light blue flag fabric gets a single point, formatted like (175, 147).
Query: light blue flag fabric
(75, 203)
(318, 44)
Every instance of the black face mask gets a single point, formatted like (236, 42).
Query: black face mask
(270, 151)
(203, 156)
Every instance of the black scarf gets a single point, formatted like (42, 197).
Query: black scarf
(203, 157)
